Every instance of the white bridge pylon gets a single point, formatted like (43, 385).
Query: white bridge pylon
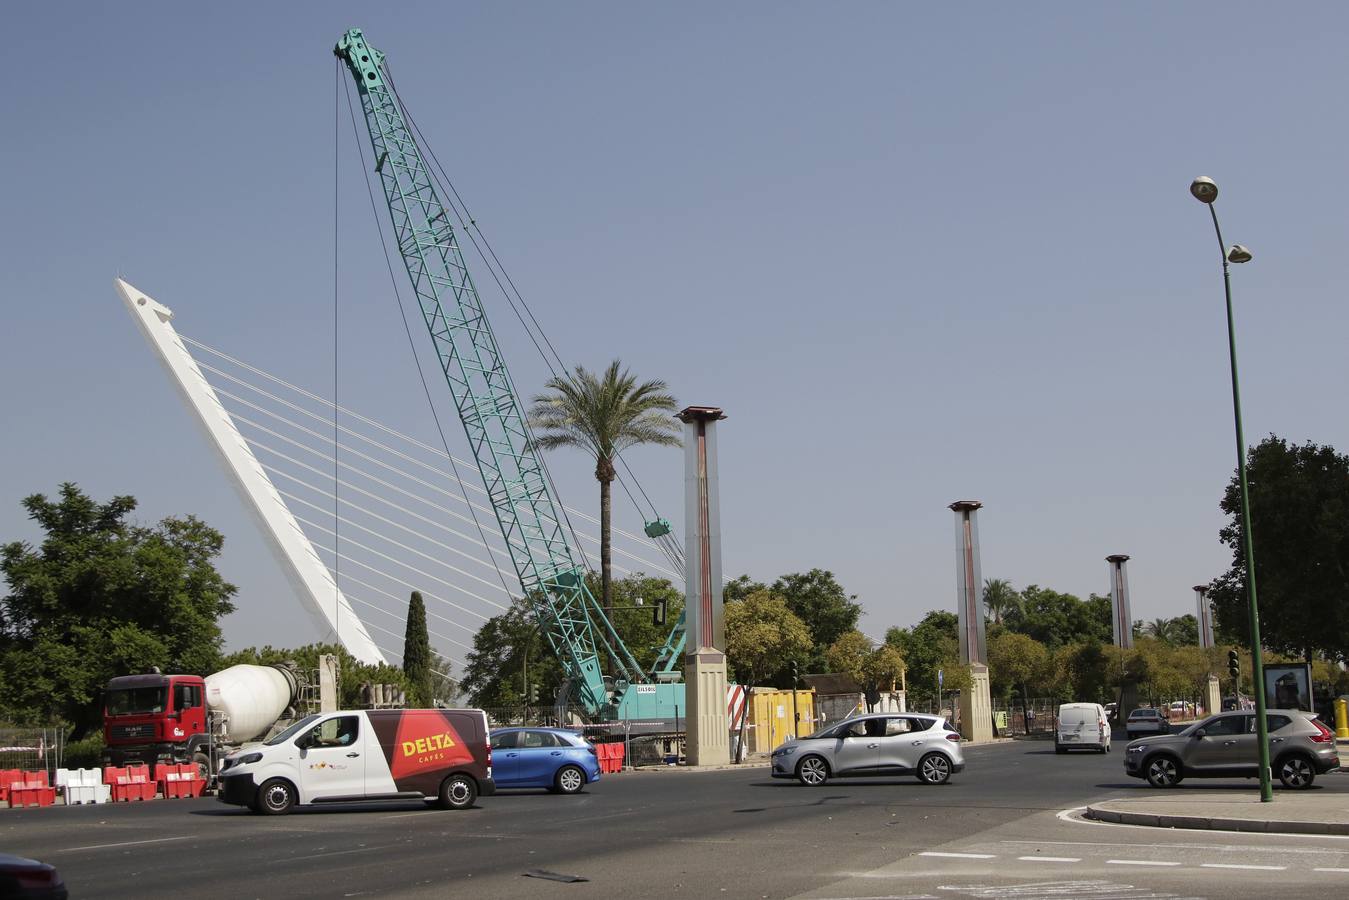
(311, 579)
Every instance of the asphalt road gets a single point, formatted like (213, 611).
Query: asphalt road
(998, 829)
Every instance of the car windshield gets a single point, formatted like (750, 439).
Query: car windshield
(129, 701)
(290, 732)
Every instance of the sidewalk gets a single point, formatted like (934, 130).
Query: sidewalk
(1305, 812)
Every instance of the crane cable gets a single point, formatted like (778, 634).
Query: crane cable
(398, 296)
(469, 225)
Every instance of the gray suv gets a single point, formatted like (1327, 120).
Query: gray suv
(876, 745)
(1224, 746)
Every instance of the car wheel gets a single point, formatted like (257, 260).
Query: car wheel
(569, 780)
(813, 771)
(1163, 771)
(1296, 772)
(275, 797)
(934, 768)
(1058, 749)
(457, 792)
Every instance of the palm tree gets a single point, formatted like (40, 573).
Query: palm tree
(1160, 629)
(603, 415)
(1000, 598)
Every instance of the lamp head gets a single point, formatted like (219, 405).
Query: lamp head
(1238, 254)
(1204, 190)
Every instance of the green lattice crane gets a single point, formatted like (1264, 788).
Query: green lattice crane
(489, 407)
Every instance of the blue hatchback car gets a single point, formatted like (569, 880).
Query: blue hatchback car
(551, 758)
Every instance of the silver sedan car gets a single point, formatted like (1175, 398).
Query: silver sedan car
(886, 744)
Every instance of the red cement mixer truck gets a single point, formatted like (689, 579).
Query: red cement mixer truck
(156, 718)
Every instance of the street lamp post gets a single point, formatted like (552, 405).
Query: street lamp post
(1205, 191)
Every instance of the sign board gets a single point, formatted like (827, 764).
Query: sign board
(1289, 687)
(645, 688)
(939, 677)
(782, 713)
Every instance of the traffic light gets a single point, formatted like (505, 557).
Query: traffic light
(533, 693)
(658, 613)
(796, 672)
(1233, 664)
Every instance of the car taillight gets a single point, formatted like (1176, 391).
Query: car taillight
(1325, 736)
(489, 756)
(953, 736)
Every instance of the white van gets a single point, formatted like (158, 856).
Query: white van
(1082, 725)
(375, 754)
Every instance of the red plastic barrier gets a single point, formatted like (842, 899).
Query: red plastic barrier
(8, 777)
(32, 789)
(130, 783)
(610, 757)
(191, 784)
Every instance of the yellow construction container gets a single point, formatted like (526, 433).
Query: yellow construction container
(770, 717)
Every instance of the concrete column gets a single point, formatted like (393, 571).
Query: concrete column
(976, 707)
(707, 734)
(328, 693)
(1204, 613)
(969, 586)
(1122, 621)
(1213, 696)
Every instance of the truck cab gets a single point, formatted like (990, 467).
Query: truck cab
(154, 718)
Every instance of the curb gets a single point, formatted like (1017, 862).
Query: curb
(1271, 826)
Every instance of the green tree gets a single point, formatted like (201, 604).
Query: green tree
(1159, 629)
(762, 635)
(102, 597)
(1184, 631)
(1055, 619)
(509, 655)
(1299, 497)
(820, 601)
(642, 637)
(351, 673)
(1000, 598)
(417, 654)
(875, 669)
(603, 415)
(930, 646)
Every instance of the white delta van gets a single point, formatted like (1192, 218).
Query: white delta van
(1082, 725)
(442, 755)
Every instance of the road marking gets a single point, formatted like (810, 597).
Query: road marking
(331, 853)
(1050, 858)
(123, 844)
(1329, 869)
(1241, 866)
(1139, 862)
(958, 855)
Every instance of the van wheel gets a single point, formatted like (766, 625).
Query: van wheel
(1060, 750)
(275, 797)
(458, 792)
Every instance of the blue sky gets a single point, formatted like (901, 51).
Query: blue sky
(918, 254)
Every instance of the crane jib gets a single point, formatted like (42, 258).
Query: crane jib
(488, 404)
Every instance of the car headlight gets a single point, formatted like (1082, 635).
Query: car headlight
(784, 751)
(1139, 749)
(248, 758)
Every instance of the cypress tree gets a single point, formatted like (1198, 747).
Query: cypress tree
(417, 653)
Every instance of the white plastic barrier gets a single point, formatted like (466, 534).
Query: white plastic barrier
(83, 786)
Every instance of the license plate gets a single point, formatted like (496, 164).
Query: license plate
(1071, 737)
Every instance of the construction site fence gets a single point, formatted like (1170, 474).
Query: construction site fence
(33, 749)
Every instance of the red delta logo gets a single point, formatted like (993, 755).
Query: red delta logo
(426, 743)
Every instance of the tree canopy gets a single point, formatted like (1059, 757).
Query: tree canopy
(417, 654)
(1299, 498)
(102, 597)
(762, 635)
(351, 673)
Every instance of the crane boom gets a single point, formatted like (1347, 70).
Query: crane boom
(489, 407)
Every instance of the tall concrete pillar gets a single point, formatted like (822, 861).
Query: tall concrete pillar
(1122, 621)
(707, 736)
(1204, 613)
(969, 586)
(976, 706)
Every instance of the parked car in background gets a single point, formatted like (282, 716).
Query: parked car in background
(1147, 720)
(875, 745)
(1083, 725)
(1300, 748)
(553, 758)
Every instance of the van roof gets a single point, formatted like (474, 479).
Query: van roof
(1078, 705)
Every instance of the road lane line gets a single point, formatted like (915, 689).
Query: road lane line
(958, 855)
(287, 859)
(1241, 866)
(1050, 858)
(1329, 869)
(123, 844)
(1139, 862)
